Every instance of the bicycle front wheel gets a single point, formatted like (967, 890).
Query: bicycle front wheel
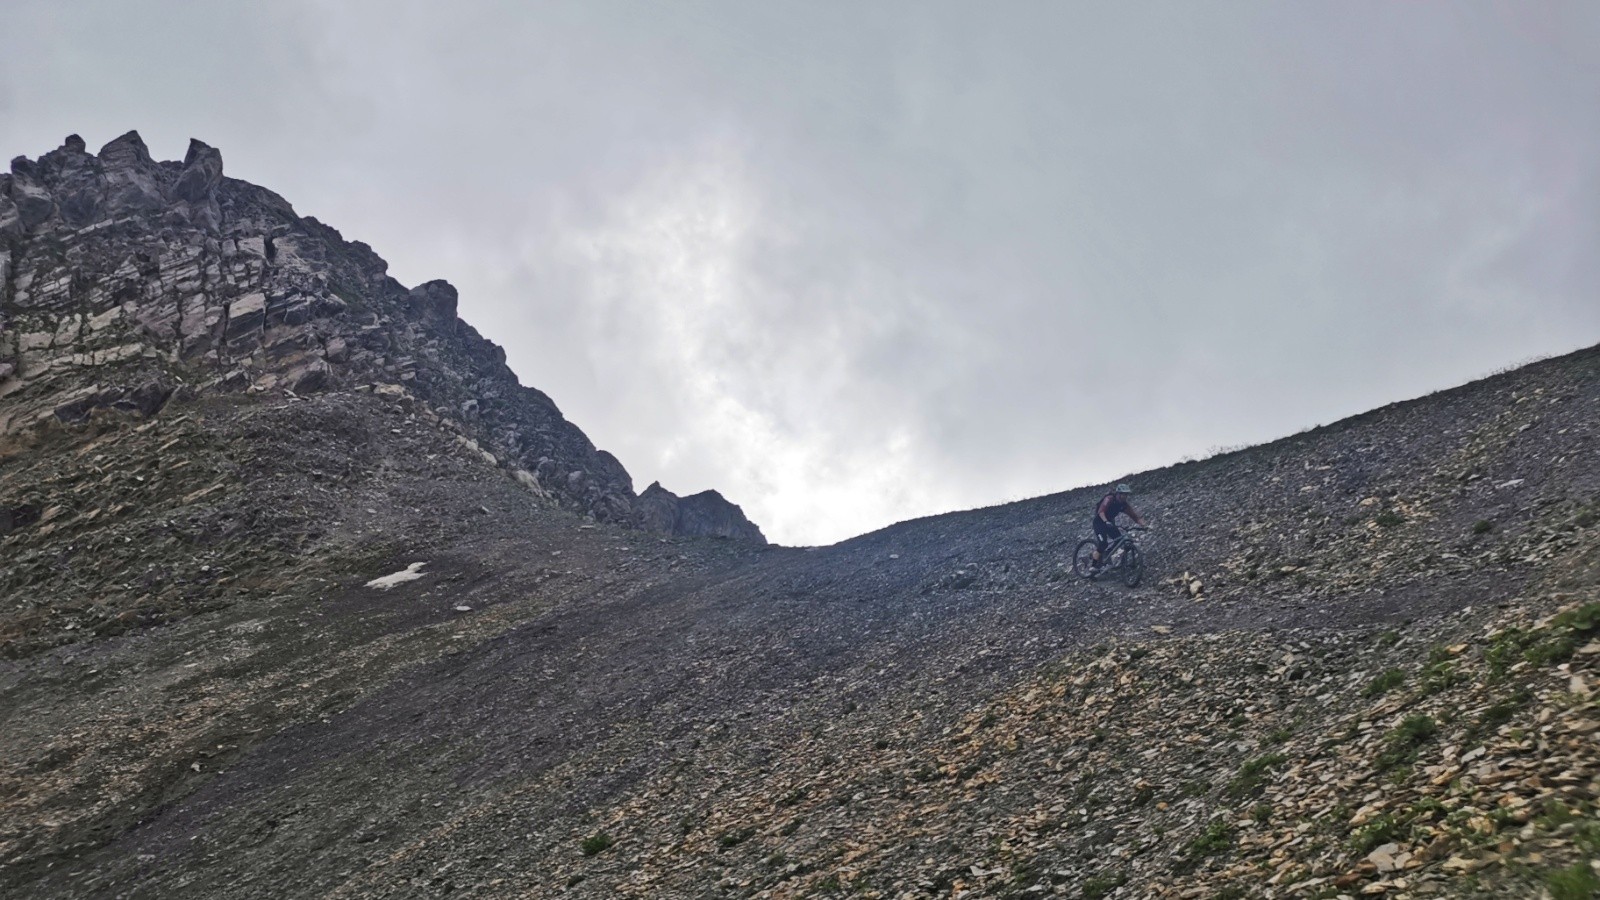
(1132, 566)
(1083, 558)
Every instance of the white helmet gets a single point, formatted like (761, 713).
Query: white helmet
(1124, 489)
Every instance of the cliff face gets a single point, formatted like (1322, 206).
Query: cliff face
(125, 281)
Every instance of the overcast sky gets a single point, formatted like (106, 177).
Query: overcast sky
(851, 263)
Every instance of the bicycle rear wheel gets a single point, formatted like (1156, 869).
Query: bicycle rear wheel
(1132, 565)
(1083, 558)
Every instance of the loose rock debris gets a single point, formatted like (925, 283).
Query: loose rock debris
(1363, 663)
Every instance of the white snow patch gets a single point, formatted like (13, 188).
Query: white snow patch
(409, 573)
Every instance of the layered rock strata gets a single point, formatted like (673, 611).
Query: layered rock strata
(125, 281)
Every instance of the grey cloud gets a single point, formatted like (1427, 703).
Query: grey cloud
(854, 263)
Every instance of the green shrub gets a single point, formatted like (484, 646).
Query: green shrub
(1253, 773)
(1440, 676)
(1384, 683)
(1577, 882)
(1584, 620)
(1555, 815)
(596, 843)
(1389, 519)
(1279, 735)
(1373, 835)
(1551, 652)
(1101, 885)
(1506, 650)
(1482, 526)
(1587, 838)
(1217, 838)
(1401, 744)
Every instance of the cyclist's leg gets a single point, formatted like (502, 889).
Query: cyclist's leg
(1105, 533)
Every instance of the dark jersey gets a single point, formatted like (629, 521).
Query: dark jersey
(1111, 506)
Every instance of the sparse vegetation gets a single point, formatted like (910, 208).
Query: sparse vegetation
(1576, 882)
(1440, 673)
(1253, 773)
(1216, 838)
(596, 843)
(1551, 651)
(1385, 682)
(1373, 834)
(1400, 746)
(1100, 885)
(1584, 620)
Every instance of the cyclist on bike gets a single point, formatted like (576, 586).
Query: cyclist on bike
(1105, 519)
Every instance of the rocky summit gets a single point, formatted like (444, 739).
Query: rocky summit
(124, 281)
(303, 595)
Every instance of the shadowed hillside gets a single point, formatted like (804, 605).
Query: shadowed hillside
(1362, 661)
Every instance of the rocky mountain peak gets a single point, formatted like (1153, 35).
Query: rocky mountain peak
(124, 280)
(127, 150)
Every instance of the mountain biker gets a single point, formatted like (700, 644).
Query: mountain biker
(1105, 519)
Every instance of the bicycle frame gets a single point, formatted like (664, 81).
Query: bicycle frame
(1109, 551)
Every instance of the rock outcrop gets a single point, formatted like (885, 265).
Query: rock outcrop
(706, 514)
(125, 281)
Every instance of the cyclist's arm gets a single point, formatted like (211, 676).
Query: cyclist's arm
(1136, 517)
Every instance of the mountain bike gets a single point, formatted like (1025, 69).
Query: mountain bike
(1121, 556)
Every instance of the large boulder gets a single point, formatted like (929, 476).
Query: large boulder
(434, 303)
(31, 198)
(202, 170)
(132, 180)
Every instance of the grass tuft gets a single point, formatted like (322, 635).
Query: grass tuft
(596, 843)
(1384, 683)
(1578, 882)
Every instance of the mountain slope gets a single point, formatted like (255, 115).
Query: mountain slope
(204, 694)
(124, 281)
